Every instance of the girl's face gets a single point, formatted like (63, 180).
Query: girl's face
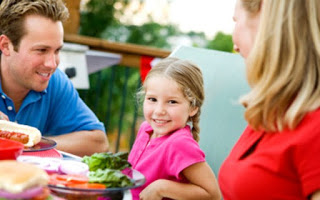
(245, 29)
(165, 107)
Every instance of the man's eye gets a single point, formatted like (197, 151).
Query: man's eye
(57, 51)
(42, 50)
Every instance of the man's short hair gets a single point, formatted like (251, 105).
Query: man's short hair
(13, 13)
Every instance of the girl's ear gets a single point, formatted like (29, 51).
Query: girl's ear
(5, 45)
(193, 111)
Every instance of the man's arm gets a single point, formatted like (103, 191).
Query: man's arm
(82, 143)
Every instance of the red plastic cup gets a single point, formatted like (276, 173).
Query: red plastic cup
(9, 149)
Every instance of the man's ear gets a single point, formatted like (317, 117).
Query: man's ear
(5, 45)
(193, 111)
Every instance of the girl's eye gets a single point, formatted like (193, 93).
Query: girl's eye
(152, 99)
(172, 102)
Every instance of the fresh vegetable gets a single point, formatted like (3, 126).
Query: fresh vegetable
(73, 167)
(75, 181)
(88, 186)
(50, 165)
(107, 160)
(109, 177)
(65, 179)
(55, 165)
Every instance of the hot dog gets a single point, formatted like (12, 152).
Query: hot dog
(27, 135)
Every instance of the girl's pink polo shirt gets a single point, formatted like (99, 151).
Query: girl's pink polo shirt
(164, 157)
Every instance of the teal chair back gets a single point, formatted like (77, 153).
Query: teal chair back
(221, 121)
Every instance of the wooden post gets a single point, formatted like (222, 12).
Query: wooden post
(71, 26)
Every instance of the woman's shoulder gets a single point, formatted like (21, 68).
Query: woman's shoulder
(310, 121)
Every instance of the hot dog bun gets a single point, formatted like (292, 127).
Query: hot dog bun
(33, 133)
(20, 180)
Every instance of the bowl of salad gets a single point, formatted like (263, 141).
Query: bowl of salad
(102, 176)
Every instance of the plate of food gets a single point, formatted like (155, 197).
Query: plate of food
(29, 136)
(76, 187)
(42, 145)
(100, 176)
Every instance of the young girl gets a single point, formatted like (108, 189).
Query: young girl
(166, 149)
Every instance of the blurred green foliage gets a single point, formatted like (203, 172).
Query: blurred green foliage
(98, 15)
(221, 42)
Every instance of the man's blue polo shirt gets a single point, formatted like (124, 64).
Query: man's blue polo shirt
(54, 111)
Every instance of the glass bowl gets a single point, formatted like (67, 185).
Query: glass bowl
(99, 194)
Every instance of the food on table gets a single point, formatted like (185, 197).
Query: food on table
(110, 178)
(118, 161)
(106, 168)
(56, 165)
(74, 181)
(27, 135)
(73, 167)
(22, 181)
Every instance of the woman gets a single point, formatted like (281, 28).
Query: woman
(277, 155)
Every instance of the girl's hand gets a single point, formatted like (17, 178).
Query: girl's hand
(152, 191)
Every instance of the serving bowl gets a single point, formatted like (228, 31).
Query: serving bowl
(137, 178)
(9, 149)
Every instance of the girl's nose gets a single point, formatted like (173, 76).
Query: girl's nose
(160, 110)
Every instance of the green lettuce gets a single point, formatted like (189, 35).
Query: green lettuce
(107, 160)
(110, 177)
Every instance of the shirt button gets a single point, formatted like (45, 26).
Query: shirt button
(4, 97)
(10, 108)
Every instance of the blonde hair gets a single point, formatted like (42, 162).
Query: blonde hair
(283, 67)
(252, 6)
(189, 77)
(13, 13)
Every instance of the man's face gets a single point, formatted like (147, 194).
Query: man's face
(31, 67)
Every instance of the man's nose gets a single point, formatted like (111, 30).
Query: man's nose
(51, 61)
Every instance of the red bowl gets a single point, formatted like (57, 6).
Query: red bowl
(9, 149)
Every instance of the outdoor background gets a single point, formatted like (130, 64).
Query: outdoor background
(165, 24)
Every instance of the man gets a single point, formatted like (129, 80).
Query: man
(33, 91)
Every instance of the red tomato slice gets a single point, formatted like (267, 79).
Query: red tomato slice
(66, 179)
(87, 186)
